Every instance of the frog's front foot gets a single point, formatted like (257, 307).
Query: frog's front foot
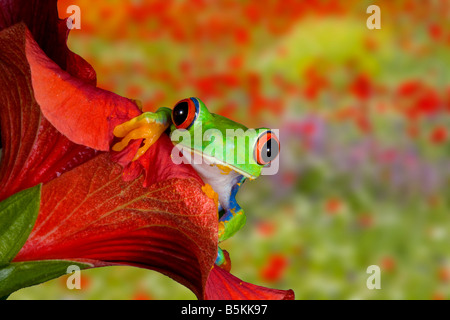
(148, 126)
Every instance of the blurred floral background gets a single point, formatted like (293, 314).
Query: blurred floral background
(364, 120)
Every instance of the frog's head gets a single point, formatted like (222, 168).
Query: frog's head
(220, 141)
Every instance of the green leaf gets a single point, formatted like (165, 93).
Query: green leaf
(18, 275)
(18, 214)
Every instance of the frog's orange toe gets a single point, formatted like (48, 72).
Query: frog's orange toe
(124, 129)
(148, 142)
(133, 130)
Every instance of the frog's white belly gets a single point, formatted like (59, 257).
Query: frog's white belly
(221, 181)
(218, 176)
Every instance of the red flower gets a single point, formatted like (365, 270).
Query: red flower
(420, 100)
(428, 103)
(88, 211)
(266, 229)
(242, 36)
(315, 83)
(362, 87)
(435, 31)
(365, 220)
(275, 268)
(333, 205)
(97, 208)
(388, 263)
(439, 135)
(438, 296)
(444, 274)
(409, 88)
(224, 286)
(140, 295)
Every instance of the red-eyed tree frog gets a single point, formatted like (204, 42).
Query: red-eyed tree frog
(229, 152)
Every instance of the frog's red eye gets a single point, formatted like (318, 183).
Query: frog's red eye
(267, 148)
(184, 113)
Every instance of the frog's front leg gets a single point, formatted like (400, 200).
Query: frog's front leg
(148, 126)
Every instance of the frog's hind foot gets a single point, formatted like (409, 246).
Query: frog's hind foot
(223, 259)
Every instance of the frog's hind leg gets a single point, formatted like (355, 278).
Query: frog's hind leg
(234, 217)
(230, 222)
(148, 126)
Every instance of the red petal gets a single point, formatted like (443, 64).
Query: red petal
(75, 65)
(41, 18)
(33, 150)
(158, 164)
(91, 213)
(82, 112)
(222, 285)
(68, 99)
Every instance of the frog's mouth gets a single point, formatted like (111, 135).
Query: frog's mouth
(223, 166)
